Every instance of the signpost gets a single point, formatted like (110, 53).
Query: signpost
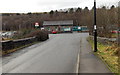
(37, 25)
(95, 28)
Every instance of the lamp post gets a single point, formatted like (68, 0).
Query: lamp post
(95, 28)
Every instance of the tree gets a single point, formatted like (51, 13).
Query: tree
(86, 10)
(112, 7)
(51, 12)
(45, 13)
(71, 10)
(104, 7)
(56, 12)
(78, 9)
(29, 13)
(17, 13)
(66, 11)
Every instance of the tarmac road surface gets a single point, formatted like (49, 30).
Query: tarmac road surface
(59, 54)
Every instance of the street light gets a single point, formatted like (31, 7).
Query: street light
(95, 28)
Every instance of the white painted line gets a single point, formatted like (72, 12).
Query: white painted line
(78, 60)
(78, 64)
(0, 66)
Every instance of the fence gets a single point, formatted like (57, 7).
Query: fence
(105, 40)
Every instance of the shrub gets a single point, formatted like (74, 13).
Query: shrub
(40, 35)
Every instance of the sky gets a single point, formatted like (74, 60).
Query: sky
(24, 6)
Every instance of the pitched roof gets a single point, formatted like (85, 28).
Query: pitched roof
(65, 22)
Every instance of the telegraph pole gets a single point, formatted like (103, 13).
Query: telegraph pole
(119, 24)
(95, 28)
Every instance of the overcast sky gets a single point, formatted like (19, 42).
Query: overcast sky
(24, 6)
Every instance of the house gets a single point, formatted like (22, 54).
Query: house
(65, 25)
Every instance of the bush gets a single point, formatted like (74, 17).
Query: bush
(21, 34)
(40, 35)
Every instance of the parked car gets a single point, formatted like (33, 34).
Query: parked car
(54, 32)
(77, 28)
(68, 30)
(115, 31)
(4, 34)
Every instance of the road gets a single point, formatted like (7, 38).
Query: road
(59, 54)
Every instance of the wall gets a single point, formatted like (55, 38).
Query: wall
(11, 44)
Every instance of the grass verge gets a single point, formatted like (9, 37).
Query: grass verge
(108, 54)
(114, 35)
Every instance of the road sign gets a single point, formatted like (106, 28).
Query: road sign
(37, 25)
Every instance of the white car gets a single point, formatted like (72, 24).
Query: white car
(67, 30)
(4, 34)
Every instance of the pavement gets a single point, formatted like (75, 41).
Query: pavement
(89, 63)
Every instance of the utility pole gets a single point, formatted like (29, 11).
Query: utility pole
(118, 24)
(119, 35)
(95, 28)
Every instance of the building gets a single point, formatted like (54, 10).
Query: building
(65, 25)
